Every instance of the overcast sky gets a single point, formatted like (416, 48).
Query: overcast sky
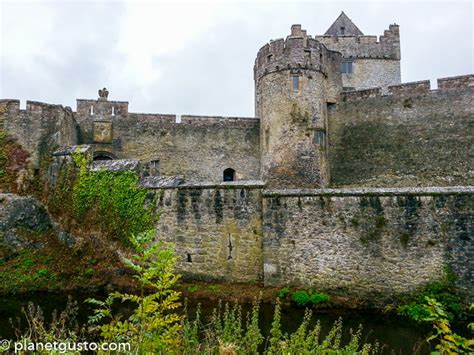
(195, 57)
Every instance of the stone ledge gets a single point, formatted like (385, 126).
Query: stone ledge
(214, 185)
(420, 191)
(115, 165)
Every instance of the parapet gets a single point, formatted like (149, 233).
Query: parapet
(464, 82)
(297, 51)
(387, 46)
(375, 191)
(456, 82)
(413, 88)
(362, 94)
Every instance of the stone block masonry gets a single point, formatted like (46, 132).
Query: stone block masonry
(216, 230)
(411, 137)
(372, 243)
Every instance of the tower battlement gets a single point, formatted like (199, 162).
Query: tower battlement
(298, 51)
(386, 46)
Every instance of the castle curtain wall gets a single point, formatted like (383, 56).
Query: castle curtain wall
(410, 137)
(199, 148)
(217, 231)
(372, 243)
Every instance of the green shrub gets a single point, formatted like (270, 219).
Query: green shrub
(303, 298)
(284, 293)
(414, 311)
(27, 263)
(442, 291)
(193, 288)
(317, 297)
(43, 272)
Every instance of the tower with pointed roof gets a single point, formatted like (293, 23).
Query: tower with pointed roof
(367, 61)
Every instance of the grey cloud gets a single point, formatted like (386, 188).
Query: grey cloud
(213, 73)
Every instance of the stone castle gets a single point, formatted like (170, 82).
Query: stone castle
(346, 180)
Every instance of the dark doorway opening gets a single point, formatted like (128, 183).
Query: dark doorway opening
(103, 156)
(229, 174)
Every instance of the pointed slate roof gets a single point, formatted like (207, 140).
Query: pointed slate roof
(343, 26)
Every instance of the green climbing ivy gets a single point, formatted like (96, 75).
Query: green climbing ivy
(111, 201)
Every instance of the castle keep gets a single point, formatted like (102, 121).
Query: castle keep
(346, 180)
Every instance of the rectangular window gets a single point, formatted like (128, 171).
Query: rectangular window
(346, 67)
(296, 83)
(319, 137)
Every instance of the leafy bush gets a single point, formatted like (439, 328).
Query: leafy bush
(283, 293)
(442, 291)
(303, 298)
(317, 297)
(153, 326)
(414, 311)
(449, 342)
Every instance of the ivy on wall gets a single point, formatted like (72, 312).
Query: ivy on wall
(111, 201)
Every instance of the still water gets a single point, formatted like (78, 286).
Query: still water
(396, 335)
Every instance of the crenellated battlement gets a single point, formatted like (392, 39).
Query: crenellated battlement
(456, 82)
(386, 46)
(464, 82)
(298, 51)
(194, 120)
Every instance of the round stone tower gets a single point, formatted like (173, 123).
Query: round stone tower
(296, 81)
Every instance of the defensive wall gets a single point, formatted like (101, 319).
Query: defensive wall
(413, 136)
(199, 148)
(367, 243)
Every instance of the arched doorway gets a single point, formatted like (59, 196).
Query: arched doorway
(229, 174)
(103, 156)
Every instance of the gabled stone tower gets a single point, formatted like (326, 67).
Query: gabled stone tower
(295, 81)
(366, 61)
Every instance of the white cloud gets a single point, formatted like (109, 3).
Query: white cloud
(197, 57)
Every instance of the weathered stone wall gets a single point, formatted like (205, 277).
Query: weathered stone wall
(370, 73)
(375, 61)
(40, 129)
(199, 148)
(367, 243)
(216, 230)
(411, 137)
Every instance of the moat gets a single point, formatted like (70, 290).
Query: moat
(392, 332)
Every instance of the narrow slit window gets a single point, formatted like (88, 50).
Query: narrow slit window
(189, 258)
(296, 83)
(113, 111)
(230, 248)
(92, 110)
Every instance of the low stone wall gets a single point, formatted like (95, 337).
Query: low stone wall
(216, 230)
(367, 242)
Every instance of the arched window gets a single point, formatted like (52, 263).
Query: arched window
(103, 156)
(229, 174)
